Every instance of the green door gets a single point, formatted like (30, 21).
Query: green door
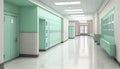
(11, 33)
(14, 38)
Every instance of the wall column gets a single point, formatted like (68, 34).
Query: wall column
(1, 33)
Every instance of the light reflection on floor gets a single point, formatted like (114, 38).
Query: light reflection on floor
(78, 53)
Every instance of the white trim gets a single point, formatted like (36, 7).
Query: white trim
(103, 6)
(46, 7)
(1, 31)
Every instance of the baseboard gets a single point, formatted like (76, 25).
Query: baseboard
(83, 34)
(77, 35)
(71, 37)
(2, 66)
(42, 50)
(28, 55)
(64, 41)
(11, 59)
(117, 61)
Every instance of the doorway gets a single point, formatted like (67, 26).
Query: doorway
(84, 30)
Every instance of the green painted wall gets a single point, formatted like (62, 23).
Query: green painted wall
(28, 19)
(11, 8)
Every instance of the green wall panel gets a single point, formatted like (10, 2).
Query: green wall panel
(28, 19)
(11, 8)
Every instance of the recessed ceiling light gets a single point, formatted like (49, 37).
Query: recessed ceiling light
(74, 12)
(67, 3)
(77, 15)
(71, 10)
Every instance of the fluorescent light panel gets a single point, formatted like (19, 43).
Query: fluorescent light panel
(77, 15)
(71, 10)
(74, 12)
(67, 3)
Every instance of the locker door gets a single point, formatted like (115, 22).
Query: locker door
(14, 37)
(42, 34)
(7, 38)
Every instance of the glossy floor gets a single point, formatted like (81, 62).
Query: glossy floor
(78, 53)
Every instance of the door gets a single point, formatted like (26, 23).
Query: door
(14, 37)
(84, 30)
(11, 34)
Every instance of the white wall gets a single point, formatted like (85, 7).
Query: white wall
(72, 23)
(65, 29)
(37, 2)
(80, 18)
(96, 24)
(1, 31)
(77, 29)
(109, 6)
(29, 43)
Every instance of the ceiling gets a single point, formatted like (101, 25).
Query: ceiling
(88, 6)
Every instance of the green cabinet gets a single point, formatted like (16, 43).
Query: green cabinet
(71, 32)
(11, 36)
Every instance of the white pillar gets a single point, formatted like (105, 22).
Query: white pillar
(1, 31)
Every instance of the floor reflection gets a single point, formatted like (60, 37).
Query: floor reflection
(78, 53)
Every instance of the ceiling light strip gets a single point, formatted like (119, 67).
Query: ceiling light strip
(67, 3)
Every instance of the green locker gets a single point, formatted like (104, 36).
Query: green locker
(71, 32)
(107, 40)
(52, 28)
(43, 34)
(11, 33)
